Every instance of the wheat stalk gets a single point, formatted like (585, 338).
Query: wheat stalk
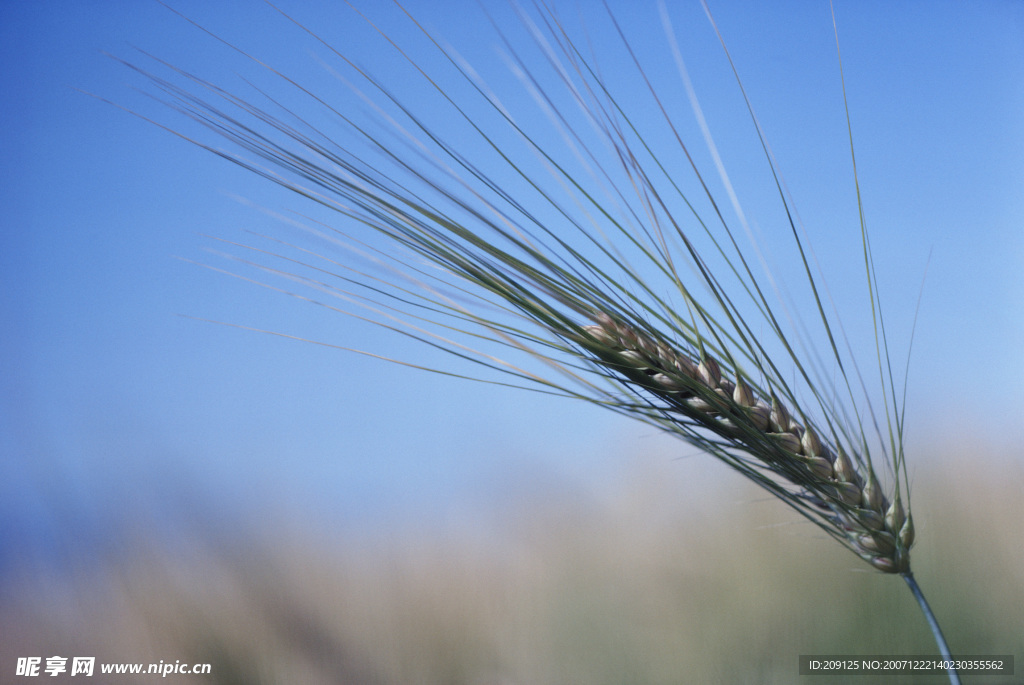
(561, 271)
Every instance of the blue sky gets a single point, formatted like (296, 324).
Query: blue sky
(113, 403)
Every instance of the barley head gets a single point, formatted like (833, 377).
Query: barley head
(602, 268)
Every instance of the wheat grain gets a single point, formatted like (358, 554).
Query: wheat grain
(877, 529)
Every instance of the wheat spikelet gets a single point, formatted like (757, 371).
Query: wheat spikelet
(848, 500)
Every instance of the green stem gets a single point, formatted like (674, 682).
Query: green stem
(933, 624)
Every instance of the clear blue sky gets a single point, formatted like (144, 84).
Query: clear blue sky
(111, 401)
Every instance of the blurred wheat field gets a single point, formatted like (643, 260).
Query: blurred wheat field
(652, 581)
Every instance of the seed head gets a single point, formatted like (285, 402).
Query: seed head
(824, 477)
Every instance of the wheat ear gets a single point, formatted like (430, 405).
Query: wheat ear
(564, 277)
(830, 489)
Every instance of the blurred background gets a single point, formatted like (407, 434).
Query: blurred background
(173, 489)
